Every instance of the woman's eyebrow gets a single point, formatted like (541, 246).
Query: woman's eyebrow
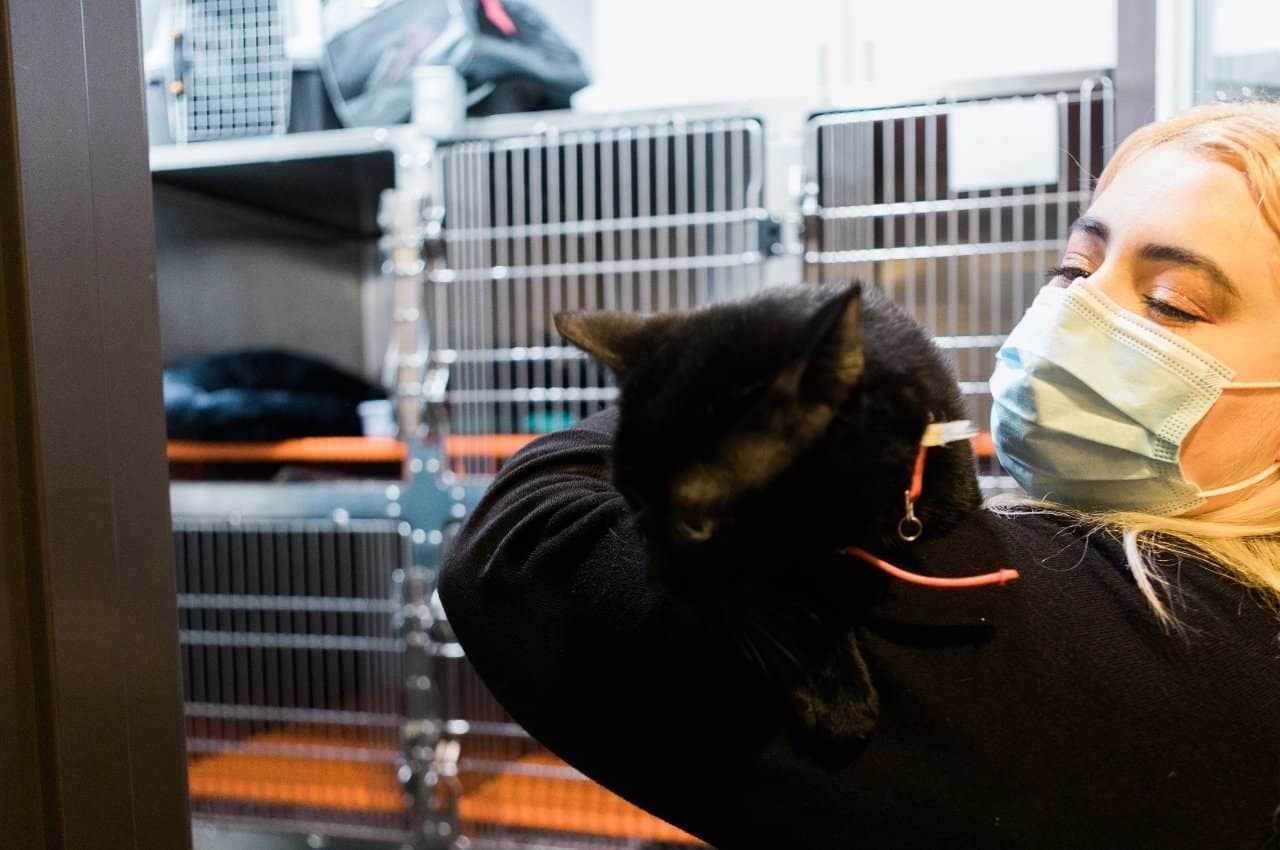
(1093, 227)
(1190, 259)
(1165, 254)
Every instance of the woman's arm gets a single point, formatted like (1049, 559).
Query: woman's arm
(546, 590)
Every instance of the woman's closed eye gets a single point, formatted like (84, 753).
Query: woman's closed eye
(1163, 305)
(1162, 310)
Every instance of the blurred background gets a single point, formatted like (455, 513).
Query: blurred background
(366, 213)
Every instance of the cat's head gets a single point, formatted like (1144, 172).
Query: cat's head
(755, 438)
(753, 433)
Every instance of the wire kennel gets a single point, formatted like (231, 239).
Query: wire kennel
(292, 672)
(326, 700)
(882, 207)
(643, 217)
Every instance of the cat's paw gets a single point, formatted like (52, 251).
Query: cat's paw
(834, 703)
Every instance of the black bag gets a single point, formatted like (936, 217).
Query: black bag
(509, 57)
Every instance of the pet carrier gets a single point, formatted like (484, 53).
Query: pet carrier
(220, 69)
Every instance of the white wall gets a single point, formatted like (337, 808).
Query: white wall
(695, 50)
(1241, 27)
(663, 51)
(941, 39)
(575, 20)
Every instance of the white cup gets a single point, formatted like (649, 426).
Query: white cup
(439, 100)
(376, 418)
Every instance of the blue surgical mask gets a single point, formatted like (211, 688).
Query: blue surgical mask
(1092, 404)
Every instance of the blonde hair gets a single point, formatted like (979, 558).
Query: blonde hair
(1240, 540)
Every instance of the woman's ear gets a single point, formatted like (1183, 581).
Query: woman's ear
(617, 340)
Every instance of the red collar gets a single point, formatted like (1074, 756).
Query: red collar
(910, 528)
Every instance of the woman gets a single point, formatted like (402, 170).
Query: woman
(1125, 692)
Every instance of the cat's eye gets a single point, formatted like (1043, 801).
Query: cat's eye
(696, 529)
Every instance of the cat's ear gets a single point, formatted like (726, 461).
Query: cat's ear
(834, 363)
(615, 339)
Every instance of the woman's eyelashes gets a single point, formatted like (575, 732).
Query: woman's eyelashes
(1066, 273)
(1158, 309)
(1164, 311)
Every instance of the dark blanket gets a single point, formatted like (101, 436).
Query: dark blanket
(262, 395)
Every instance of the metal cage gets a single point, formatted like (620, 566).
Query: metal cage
(293, 673)
(966, 263)
(641, 217)
(325, 699)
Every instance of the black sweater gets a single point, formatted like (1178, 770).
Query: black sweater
(1052, 712)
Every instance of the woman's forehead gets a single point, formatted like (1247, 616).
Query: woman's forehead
(1179, 188)
(1175, 197)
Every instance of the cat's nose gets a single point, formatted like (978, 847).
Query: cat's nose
(696, 529)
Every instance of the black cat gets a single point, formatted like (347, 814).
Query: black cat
(758, 438)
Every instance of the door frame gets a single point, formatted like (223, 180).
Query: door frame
(90, 689)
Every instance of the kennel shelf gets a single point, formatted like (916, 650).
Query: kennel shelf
(331, 178)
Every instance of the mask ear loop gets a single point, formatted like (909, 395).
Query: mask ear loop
(1241, 485)
(1264, 474)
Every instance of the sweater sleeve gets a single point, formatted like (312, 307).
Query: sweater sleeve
(545, 587)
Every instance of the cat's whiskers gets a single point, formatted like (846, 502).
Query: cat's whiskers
(808, 613)
(752, 653)
(773, 639)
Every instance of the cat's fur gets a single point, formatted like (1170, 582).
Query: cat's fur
(757, 438)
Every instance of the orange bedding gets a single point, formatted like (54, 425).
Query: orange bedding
(342, 449)
(248, 774)
(562, 805)
(377, 449)
(302, 450)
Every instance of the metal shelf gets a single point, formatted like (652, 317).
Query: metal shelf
(331, 178)
(283, 148)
